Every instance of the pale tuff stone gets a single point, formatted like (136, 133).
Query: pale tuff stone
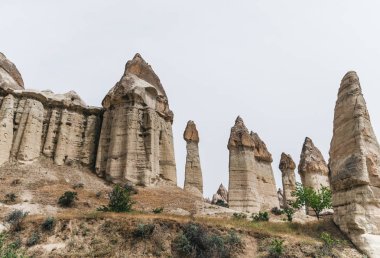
(251, 181)
(354, 168)
(287, 167)
(136, 139)
(6, 128)
(10, 77)
(59, 126)
(193, 171)
(280, 196)
(220, 195)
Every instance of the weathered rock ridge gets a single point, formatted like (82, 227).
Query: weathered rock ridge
(193, 171)
(136, 140)
(251, 181)
(287, 167)
(129, 139)
(10, 77)
(355, 168)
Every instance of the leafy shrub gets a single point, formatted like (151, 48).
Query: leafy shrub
(9, 251)
(239, 215)
(158, 210)
(277, 211)
(143, 230)
(261, 216)
(328, 243)
(276, 247)
(33, 239)
(289, 213)
(67, 199)
(316, 200)
(10, 197)
(222, 203)
(15, 219)
(196, 241)
(120, 200)
(48, 224)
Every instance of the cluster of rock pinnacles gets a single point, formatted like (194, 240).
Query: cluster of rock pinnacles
(130, 139)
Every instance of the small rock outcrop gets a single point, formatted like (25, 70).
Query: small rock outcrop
(10, 77)
(287, 167)
(355, 168)
(193, 171)
(251, 182)
(136, 139)
(220, 195)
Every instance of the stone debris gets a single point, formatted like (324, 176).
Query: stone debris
(136, 139)
(10, 77)
(193, 171)
(287, 167)
(251, 182)
(355, 168)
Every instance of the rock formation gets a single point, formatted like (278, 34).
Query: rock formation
(355, 168)
(10, 77)
(280, 196)
(136, 140)
(251, 181)
(287, 167)
(312, 167)
(193, 171)
(60, 127)
(220, 195)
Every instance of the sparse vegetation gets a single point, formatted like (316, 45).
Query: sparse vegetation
(48, 224)
(10, 250)
(239, 215)
(277, 211)
(261, 216)
(131, 188)
(316, 200)
(33, 239)
(289, 213)
(196, 241)
(15, 219)
(328, 243)
(67, 199)
(158, 210)
(276, 248)
(143, 230)
(120, 200)
(10, 197)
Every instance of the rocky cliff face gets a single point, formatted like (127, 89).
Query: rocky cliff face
(136, 140)
(193, 171)
(287, 167)
(10, 77)
(355, 168)
(251, 181)
(60, 127)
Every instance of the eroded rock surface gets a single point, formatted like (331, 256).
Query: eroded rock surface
(193, 171)
(355, 168)
(10, 77)
(43, 123)
(287, 167)
(251, 181)
(136, 140)
(220, 195)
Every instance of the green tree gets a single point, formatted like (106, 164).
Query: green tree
(120, 200)
(316, 200)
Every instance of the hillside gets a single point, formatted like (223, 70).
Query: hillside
(81, 231)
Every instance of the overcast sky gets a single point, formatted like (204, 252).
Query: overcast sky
(278, 64)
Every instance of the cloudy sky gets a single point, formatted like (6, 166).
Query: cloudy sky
(278, 64)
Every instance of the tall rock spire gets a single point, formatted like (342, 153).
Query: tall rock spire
(355, 168)
(193, 171)
(287, 167)
(251, 181)
(136, 139)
